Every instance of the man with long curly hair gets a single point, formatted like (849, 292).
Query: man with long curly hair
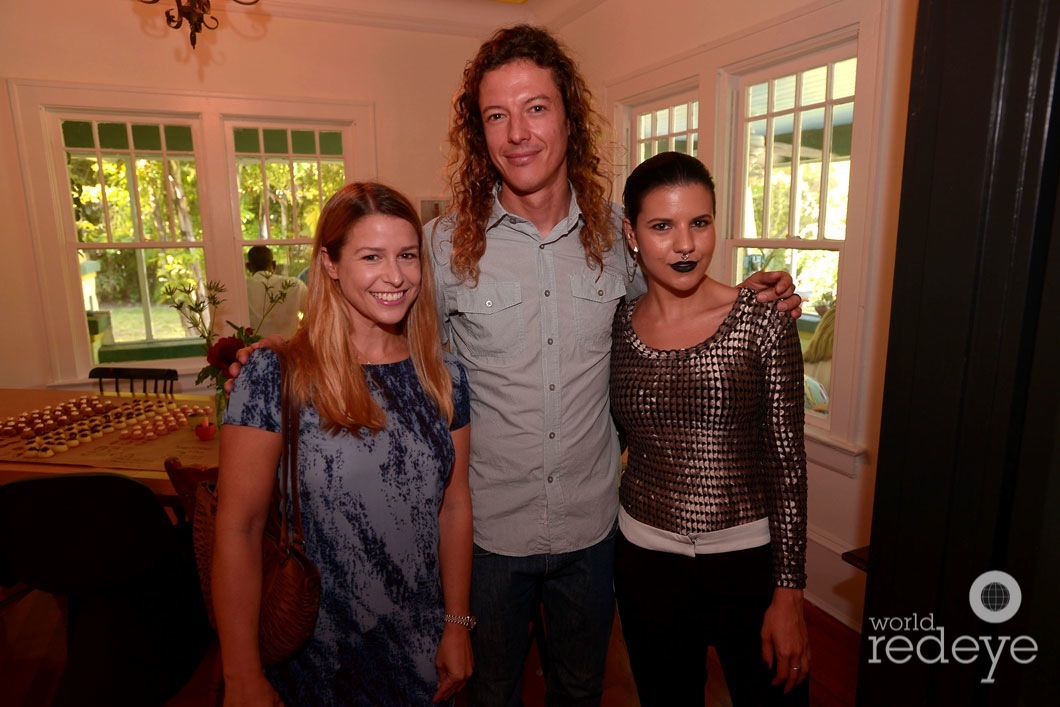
(530, 267)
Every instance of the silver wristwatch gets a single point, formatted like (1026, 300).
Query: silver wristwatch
(467, 622)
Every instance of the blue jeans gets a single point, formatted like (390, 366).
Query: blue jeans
(576, 592)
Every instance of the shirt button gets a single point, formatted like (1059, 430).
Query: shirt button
(547, 293)
(552, 435)
(550, 342)
(600, 292)
(511, 219)
(550, 479)
(552, 386)
(541, 247)
(489, 303)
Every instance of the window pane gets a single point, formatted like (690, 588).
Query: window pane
(754, 187)
(251, 201)
(128, 285)
(330, 143)
(332, 178)
(184, 186)
(835, 227)
(757, 99)
(784, 93)
(780, 178)
(281, 206)
(275, 141)
(77, 133)
(845, 73)
(644, 126)
(87, 199)
(246, 140)
(113, 136)
(681, 144)
(814, 85)
(118, 200)
(307, 198)
(303, 142)
(178, 138)
(842, 123)
(645, 152)
(808, 205)
(154, 202)
(147, 137)
(680, 118)
(695, 115)
(662, 121)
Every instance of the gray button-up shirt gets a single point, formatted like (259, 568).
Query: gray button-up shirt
(535, 337)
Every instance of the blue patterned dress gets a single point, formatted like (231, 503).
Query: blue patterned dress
(370, 515)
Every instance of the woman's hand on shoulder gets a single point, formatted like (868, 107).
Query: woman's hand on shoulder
(776, 285)
(785, 644)
(254, 691)
(272, 341)
(454, 661)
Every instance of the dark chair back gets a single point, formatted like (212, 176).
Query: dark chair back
(162, 378)
(186, 480)
(137, 626)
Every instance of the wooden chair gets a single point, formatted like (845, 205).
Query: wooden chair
(163, 378)
(186, 480)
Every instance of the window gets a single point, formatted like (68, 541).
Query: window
(135, 200)
(671, 125)
(284, 176)
(791, 210)
(132, 191)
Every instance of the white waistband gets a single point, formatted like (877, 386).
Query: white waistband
(738, 537)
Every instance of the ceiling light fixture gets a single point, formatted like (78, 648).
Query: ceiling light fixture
(196, 13)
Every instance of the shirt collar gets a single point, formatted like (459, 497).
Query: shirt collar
(564, 227)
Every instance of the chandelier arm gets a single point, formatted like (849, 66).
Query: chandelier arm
(174, 20)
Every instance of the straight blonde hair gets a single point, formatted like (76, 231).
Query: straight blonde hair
(321, 359)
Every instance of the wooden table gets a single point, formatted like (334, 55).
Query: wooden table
(137, 459)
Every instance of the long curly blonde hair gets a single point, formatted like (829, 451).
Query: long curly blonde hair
(473, 176)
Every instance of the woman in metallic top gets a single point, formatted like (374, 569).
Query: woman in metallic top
(707, 388)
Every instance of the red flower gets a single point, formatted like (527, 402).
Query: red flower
(223, 353)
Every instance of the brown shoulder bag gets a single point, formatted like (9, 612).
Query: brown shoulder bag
(290, 588)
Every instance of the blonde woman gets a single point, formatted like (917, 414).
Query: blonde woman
(383, 463)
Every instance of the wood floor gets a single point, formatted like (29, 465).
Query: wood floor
(32, 651)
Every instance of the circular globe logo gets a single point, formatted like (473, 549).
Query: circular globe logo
(995, 596)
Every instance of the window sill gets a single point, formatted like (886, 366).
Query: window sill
(150, 351)
(834, 454)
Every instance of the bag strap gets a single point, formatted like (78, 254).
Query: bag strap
(290, 422)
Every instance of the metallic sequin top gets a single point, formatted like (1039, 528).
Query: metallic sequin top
(715, 431)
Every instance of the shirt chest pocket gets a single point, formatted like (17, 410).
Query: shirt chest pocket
(595, 301)
(490, 321)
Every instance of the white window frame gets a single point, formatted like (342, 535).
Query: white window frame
(664, 102)
(38, 108)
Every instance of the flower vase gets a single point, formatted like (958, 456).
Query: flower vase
(219, 403)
